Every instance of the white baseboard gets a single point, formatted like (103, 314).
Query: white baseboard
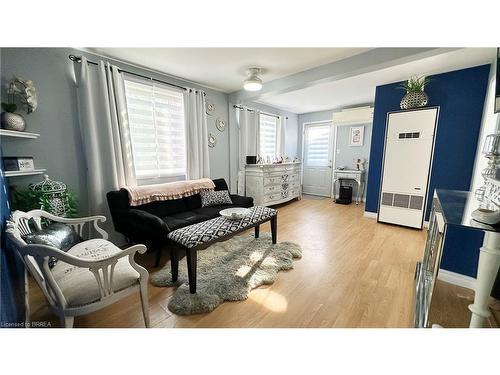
(456, 279)
(371, 215)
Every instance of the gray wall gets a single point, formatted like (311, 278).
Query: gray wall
(59, 147)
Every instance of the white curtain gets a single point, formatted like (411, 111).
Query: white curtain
(198, 162)
(105, 135)
(281, 136)
(248, 124)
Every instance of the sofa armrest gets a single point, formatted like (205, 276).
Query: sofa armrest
(139, 226)
(241, 201)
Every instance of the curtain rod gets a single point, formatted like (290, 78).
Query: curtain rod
(251, 110)
(78, 59)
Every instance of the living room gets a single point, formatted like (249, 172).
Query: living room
(250, 187)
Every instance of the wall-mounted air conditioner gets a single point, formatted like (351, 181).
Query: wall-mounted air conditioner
(357, 115)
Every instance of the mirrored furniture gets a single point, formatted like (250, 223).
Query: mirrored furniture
(454, 209)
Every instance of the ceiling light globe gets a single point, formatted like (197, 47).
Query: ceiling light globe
(252, 84)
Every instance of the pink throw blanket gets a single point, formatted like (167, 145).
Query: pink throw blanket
(173, 190)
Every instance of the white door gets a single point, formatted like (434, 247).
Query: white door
(317, 179)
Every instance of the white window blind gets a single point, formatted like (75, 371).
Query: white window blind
(157, 129)
(267, 135)
(317, 145)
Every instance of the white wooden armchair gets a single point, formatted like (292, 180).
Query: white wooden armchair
(89, 276)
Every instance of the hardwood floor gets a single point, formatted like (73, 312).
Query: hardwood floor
(354, 273)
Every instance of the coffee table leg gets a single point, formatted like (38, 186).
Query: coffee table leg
(257, 231)
(174, 263)
(191, 259)
(274, 228)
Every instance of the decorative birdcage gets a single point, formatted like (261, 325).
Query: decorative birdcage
(54, 196)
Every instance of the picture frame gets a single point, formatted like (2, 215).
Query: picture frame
(356, 136)
(18, 163)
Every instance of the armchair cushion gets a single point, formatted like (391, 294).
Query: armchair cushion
(58, 235)
(79, 285)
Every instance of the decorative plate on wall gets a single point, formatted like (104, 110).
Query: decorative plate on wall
(212, 141)
(210, 108)
(220, 124)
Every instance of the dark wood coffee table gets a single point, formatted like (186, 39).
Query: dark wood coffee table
(201, 235)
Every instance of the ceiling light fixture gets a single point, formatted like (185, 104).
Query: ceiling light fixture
(253, 82)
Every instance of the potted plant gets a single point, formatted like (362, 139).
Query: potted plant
(415, 96)
(26, 92)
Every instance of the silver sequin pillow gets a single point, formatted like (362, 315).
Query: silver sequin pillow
(215, 198)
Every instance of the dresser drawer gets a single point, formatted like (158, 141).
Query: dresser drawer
(272, 197)
(273, 180)
(272, 189)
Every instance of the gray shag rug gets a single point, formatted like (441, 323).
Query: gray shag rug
(228, 271)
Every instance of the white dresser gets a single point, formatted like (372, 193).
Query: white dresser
(270, 184)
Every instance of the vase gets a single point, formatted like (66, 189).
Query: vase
(414, 99)
(13, 121)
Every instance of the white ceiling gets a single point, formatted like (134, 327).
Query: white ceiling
(361, 89)
(224, 68)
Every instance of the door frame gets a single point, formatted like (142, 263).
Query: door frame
(333, 145)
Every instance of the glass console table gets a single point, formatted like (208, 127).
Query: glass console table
(451, 208)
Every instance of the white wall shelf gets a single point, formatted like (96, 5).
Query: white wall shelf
(16, 134)
(24, 173)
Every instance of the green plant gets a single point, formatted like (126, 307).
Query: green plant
(415, 84)
(27, 199)
(9, 107)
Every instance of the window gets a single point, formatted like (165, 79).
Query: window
(268, 128)
(317, 145)
(157, 129)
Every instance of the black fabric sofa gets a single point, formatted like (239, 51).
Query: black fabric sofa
(150, 223)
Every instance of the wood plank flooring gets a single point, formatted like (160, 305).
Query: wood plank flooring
(354, 273)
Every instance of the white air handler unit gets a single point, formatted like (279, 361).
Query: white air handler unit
(408, 152)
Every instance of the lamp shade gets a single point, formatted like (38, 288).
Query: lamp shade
(253, 82)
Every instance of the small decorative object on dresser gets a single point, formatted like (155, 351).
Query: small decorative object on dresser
(26, 92)
(415, 96)
(491, 151)
(270, 184)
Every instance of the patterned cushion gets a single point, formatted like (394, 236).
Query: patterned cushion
(211, 230)
(79, 285)
(215, 198)
(58, 235)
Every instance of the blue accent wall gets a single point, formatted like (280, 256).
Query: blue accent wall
(460, 95)
(461, 250)
(12, 309)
